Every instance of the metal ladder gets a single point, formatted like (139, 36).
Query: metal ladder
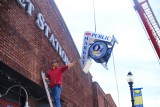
(47, 88)
(151, 19)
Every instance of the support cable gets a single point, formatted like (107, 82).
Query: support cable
(115, 72)
(94, 16)
(112, 55)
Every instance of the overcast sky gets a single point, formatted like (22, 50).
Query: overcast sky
(133, 53)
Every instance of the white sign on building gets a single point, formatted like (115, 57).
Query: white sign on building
(97, 47)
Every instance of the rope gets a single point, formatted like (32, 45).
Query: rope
(94, 16)
(116, 78)
(112, 56)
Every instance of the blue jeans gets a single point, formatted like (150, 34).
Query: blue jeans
(56, 95)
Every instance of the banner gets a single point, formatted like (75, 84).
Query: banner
(137, 94)
(97, 47)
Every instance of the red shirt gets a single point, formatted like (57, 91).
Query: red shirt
(55, 75)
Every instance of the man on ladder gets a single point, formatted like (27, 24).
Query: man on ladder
(54, 75)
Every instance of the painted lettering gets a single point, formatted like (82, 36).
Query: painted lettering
(85, 38)
(85, 47)
(101, 36)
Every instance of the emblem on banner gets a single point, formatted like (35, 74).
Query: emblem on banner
(97, 47)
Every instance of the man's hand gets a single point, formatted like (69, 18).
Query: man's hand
(47, 79)
(72, 64)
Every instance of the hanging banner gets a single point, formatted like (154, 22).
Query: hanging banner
(137, 94)
(97, 47)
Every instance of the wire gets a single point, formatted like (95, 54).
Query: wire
(16, 86)
(116, 78)
(26, 103)
(94, 16)
(112, 55)
(20, 93)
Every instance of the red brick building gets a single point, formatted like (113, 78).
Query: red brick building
(100, 99)
(32, 34)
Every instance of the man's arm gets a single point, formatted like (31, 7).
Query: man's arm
(72, 64)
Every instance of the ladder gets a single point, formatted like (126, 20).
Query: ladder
(47, 88)
(150, 22)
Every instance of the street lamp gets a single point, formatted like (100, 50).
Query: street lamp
(26, 103)
(130, 81)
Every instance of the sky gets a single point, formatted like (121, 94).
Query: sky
(133, 52)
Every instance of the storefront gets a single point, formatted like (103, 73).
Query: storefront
(32, 34)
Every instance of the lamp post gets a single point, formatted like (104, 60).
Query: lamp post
(26, 103)
(130, 81)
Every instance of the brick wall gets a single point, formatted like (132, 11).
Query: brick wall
(109, 100)
(100, 99)
(24, 44)
(25, 49)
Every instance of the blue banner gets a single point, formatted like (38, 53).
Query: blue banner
(137, 94)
